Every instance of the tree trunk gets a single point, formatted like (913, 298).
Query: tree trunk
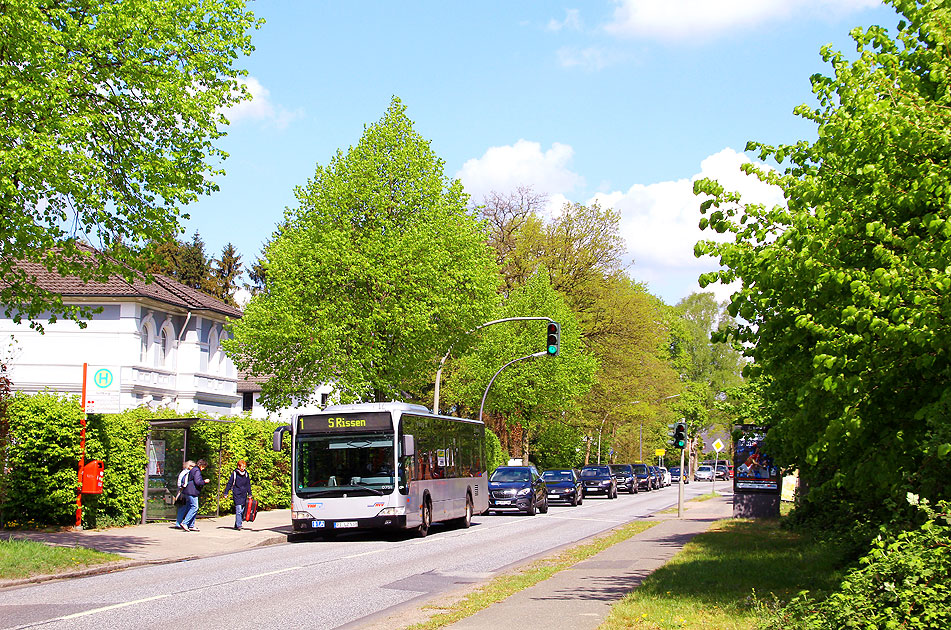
(587, 450)
(524, 447)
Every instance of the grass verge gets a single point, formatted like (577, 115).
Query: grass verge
(717, 577)
(24, 558)
(506, 585)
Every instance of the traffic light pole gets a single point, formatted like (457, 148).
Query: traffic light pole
(480, 327)
(680, 487)
(492, 380)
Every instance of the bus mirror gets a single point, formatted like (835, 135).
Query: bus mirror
(278, 435)
(409, 446)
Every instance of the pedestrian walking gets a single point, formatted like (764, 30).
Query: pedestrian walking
(239, 484)
(195, 483)
(180, 499)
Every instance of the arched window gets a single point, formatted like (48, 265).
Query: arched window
(146, 339)
(213, 351)
(163, 358)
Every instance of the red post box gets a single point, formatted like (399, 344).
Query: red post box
(92, 477)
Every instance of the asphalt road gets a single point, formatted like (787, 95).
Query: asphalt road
(319, 584)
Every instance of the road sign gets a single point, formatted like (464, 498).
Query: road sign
(660, 452)
(718, 445)
(102, 389)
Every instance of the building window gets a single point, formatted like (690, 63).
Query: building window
(213, 351)
(324, 399)
(165, 348)
(247, 401)
(147, 338)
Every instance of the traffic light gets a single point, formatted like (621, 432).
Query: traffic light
(680, 435)
(554, 339)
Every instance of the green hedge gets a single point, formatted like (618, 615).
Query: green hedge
(39, 481)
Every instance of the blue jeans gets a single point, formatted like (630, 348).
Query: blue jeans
(192, 511)
(239, 514)
(182, 510)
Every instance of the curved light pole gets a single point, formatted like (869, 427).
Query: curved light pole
(640, 433)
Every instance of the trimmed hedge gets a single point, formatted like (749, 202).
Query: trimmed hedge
(39, 482)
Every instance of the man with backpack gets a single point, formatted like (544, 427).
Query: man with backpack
(240, 485)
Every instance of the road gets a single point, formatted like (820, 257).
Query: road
(319, 584)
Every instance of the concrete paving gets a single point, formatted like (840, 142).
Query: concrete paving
(580, 597)
(156, 543)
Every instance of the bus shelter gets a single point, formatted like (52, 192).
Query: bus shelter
(167, 450)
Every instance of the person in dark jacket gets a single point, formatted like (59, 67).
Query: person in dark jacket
(191, 492)
(240, 485)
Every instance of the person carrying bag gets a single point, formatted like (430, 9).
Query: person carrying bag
(180, 500)
(239, 484)
(192, 489)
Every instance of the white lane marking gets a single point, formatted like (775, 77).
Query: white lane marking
(365, 553)
(112, 607)
(251, 577)
(599, 520)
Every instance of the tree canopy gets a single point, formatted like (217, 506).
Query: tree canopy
(110, 114)
(846, 290)
(371, 278)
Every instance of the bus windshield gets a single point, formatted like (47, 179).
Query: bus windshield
(333, 465)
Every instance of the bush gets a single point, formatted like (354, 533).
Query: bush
(495, 455)
(903, 583)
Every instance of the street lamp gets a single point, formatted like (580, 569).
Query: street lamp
(632, 402)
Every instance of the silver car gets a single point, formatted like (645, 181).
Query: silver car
(703, 473)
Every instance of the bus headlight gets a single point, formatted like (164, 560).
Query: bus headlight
(301, 515)
(392, 511)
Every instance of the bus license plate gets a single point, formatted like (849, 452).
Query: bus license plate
(344, 524)
(317, 524)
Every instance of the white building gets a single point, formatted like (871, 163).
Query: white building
(162, 339)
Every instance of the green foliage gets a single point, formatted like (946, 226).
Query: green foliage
(535, 392)
(558, 445)
(248, 439)
(902, 582)
(43, 457)
(119, 441)
(495, 455)
(110, 115)
(844, 304)
(399, 267)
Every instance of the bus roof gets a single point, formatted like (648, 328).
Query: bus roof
(390, 406)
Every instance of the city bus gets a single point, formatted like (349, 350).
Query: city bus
(384, 466)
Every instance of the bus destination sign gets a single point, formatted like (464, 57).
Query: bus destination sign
(345, 422)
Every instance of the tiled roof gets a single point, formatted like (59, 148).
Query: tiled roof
(162, 289)
(249, 383)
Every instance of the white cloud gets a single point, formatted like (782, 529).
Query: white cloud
(503, 169)
(592, 59)
(703, 19)
(260, 108)
(660, 224)
(572, 22)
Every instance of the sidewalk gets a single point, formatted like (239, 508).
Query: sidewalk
(580, 597)
(157, 543)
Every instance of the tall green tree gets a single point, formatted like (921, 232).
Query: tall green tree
(371, 278)
(535, 393)
(110, 112)
(226, 270)
(845, 294)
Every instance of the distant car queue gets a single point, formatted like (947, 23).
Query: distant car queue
(523, 489)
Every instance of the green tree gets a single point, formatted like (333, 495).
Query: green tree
(533, 393)
(845, 294)
(225, 272)
(371, 278)
(110, 115)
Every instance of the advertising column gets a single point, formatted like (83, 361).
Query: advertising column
(756, 482)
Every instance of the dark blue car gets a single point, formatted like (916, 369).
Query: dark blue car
(518, 489)
(564, 485)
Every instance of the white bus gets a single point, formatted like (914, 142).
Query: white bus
(384, 465)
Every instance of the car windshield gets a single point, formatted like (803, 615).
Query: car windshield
(621, 469)
(599, 471)
(640, 468)
(510, 475)
(557, 475)
(704, 469)
(674, 471)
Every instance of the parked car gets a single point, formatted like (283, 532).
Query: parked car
(722, 472)
(599, 480)
(564, 485)
(519, 489)
(624, 475)
(703, 473)
(665, 475)
(658, 480)
(644, 477)
(675, 475)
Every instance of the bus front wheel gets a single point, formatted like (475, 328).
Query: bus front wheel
(427, 519)
(466, 520)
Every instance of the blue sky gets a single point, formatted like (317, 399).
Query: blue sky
(623, 102)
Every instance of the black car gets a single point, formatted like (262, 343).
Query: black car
(675, 475)
(564, 485)
(624, 475)
(644, 477)
(656, 478)
(519, 489)
(599, 480)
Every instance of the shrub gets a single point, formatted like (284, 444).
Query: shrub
(901, 583)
